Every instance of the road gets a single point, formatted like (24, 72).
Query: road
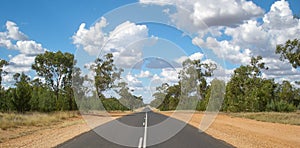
(144, 129)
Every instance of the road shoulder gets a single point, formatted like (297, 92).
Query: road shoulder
(242, 132)
(53, 135)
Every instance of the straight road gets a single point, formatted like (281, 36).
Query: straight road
(144, 129)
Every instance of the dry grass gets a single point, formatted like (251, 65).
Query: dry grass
(13, 120)
(55, 133)
(292, 118)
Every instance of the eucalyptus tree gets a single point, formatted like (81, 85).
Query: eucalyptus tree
(193, 84)
(106, 73)
(290, 51)
(3, 100)
(159, 96)
(244, 90)
(2, 72)
(56, 69)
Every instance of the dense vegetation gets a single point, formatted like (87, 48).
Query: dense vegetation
(55, 89)
(246, 91)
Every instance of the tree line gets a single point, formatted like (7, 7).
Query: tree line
(246, 91)
(53, 90)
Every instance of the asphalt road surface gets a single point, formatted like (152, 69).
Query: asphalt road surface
(144, 129)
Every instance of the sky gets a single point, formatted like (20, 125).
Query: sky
(149, 38)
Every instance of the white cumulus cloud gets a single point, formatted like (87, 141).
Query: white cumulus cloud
(194, 56)
(254, 37)
(13, 31)
(13, 39)
(193, 15)
(133, 82)
(91, 39)
(30, 47)
(144, 74)
(121, 41)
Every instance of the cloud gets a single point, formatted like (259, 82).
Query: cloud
(126, 33)
(122, 42)
(194, 56)
(236, 30)
(18, 64)
(127, 58)
(92, 39)
(280, 15)
(133, 81)
(30, 47)
(144, 74)
(193, 15)
(254, 37)
(21, 60)
(169, 75)
(13, 39)
(224, 12)
(225, 49)
(230, 28)
(13, 31)
(4, 42)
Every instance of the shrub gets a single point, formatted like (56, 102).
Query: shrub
(280, 106)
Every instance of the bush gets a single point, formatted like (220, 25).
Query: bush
(280, 106)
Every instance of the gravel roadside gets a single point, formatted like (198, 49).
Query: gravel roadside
(51, 136)
(247, 133)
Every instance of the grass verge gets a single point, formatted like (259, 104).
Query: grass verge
(292, 118)
(13, 120)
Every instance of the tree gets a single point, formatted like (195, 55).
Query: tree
(2, 64)
(189, 90)
(171, 99)
(290, 51)
(243, 89)
(285, 99)
(22, 93)
(214, 98)
(3, 99)
(193, 82)
(106, 74)
(56, 68)
(127, 99)
(285, 92)
(159, 95)
(35, 99)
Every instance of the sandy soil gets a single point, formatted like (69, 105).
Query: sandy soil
(247, 133)
(51, 136)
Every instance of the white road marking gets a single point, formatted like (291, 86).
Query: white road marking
(145, 132)
(140, 142)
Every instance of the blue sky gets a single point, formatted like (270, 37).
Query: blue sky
(150, 29)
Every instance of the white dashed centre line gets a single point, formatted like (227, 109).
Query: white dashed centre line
(140, 142)
(145, 131)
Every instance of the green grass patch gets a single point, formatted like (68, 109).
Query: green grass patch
(13, 120)
(292, 118)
